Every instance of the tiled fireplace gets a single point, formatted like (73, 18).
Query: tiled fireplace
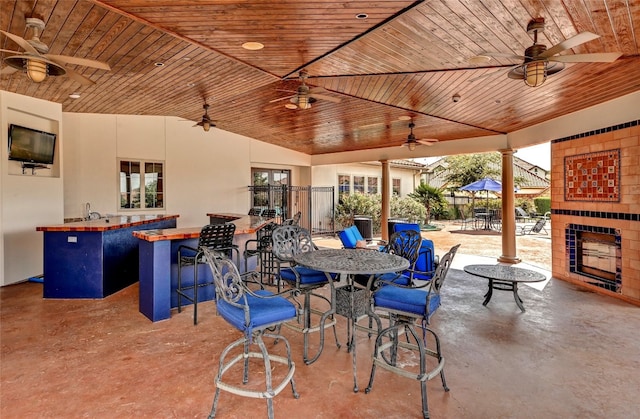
(595, 254)
(595, 210)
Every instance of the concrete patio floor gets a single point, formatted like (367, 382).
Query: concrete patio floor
(572, 354)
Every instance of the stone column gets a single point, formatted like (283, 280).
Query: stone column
(386, 200)
(508, 210)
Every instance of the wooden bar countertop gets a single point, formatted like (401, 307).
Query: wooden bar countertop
(245, 224)
(113, 222)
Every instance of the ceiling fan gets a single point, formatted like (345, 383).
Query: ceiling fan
(304, 96)
(412, 142)
(539, 62)
(206, 123)
(36, 61)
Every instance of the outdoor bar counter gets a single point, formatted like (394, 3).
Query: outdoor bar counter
(159, 261)
(94, 258)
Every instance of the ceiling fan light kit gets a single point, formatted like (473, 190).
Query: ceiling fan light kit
(37, 63)
(540, 62)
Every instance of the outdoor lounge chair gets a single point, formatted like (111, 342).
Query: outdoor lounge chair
(522, 215)
(532, 228)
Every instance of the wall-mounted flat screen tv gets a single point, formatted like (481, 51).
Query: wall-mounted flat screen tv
(30, 145)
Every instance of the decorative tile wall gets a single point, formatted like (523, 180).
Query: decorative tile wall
(596, 213)
(593, 176)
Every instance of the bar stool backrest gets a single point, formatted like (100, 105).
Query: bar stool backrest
(217, 236)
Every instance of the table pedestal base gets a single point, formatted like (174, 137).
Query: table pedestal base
(503, 286)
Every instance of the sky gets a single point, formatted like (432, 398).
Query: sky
(540, 155)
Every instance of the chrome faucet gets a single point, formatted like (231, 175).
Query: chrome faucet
(91, 215)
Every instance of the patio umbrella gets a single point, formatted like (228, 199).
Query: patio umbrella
(486, 184)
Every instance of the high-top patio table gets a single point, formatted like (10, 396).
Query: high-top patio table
(504, 278)
(351, 262)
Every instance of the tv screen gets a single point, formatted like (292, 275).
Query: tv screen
(30, 145)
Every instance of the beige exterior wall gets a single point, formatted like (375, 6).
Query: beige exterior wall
(628, 141)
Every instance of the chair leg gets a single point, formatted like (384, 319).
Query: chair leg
(195, 293)
(269, 391)
(389, 361)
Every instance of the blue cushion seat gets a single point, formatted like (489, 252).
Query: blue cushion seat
(308, 276)
(407, 300)
(426, 254)
(263, 311)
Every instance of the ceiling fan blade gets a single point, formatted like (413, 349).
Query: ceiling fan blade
(574, 41)
(502, 55)
(282, 98)
(428, 141)
(21, 42)
(79, 77)
(78, 61)
(491, 73)
(8, 70)
(325, 97)
(601, 57)
(10, 51)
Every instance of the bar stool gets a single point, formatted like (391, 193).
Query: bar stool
(213, 236)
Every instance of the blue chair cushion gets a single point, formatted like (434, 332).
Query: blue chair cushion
(347, 239)
(263, 312)
(426, 253)
(407, 300)
(350, 236)
(308, 276)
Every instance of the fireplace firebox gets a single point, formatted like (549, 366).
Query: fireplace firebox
(595, 254)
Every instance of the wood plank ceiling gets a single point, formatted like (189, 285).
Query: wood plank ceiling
(403, 59)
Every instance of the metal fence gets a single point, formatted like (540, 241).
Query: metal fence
(316, 204)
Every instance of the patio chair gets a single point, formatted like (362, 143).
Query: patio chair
(532, 228)
(269, 213)
(213, 236)
(405, 306)
(255, 211)
(465, 221)
(427, 259)
(522, 215)
(287, 242)
(294, 221)
(254, 314)
(260, 247)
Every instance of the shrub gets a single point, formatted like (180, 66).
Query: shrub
(371, 205)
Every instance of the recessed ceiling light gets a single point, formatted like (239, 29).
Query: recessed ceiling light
(159, 64)
(291, 106)
(404, 118)
(252, 46)
(362, 16)
(74, 95)
(191, 84)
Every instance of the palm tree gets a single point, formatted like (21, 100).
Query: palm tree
(429, 196)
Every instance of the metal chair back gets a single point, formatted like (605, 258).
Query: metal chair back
(290, 240)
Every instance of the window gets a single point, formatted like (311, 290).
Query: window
(358, 184)
(141, 179)
(395, 186)
(372, 185)
(344, 185)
